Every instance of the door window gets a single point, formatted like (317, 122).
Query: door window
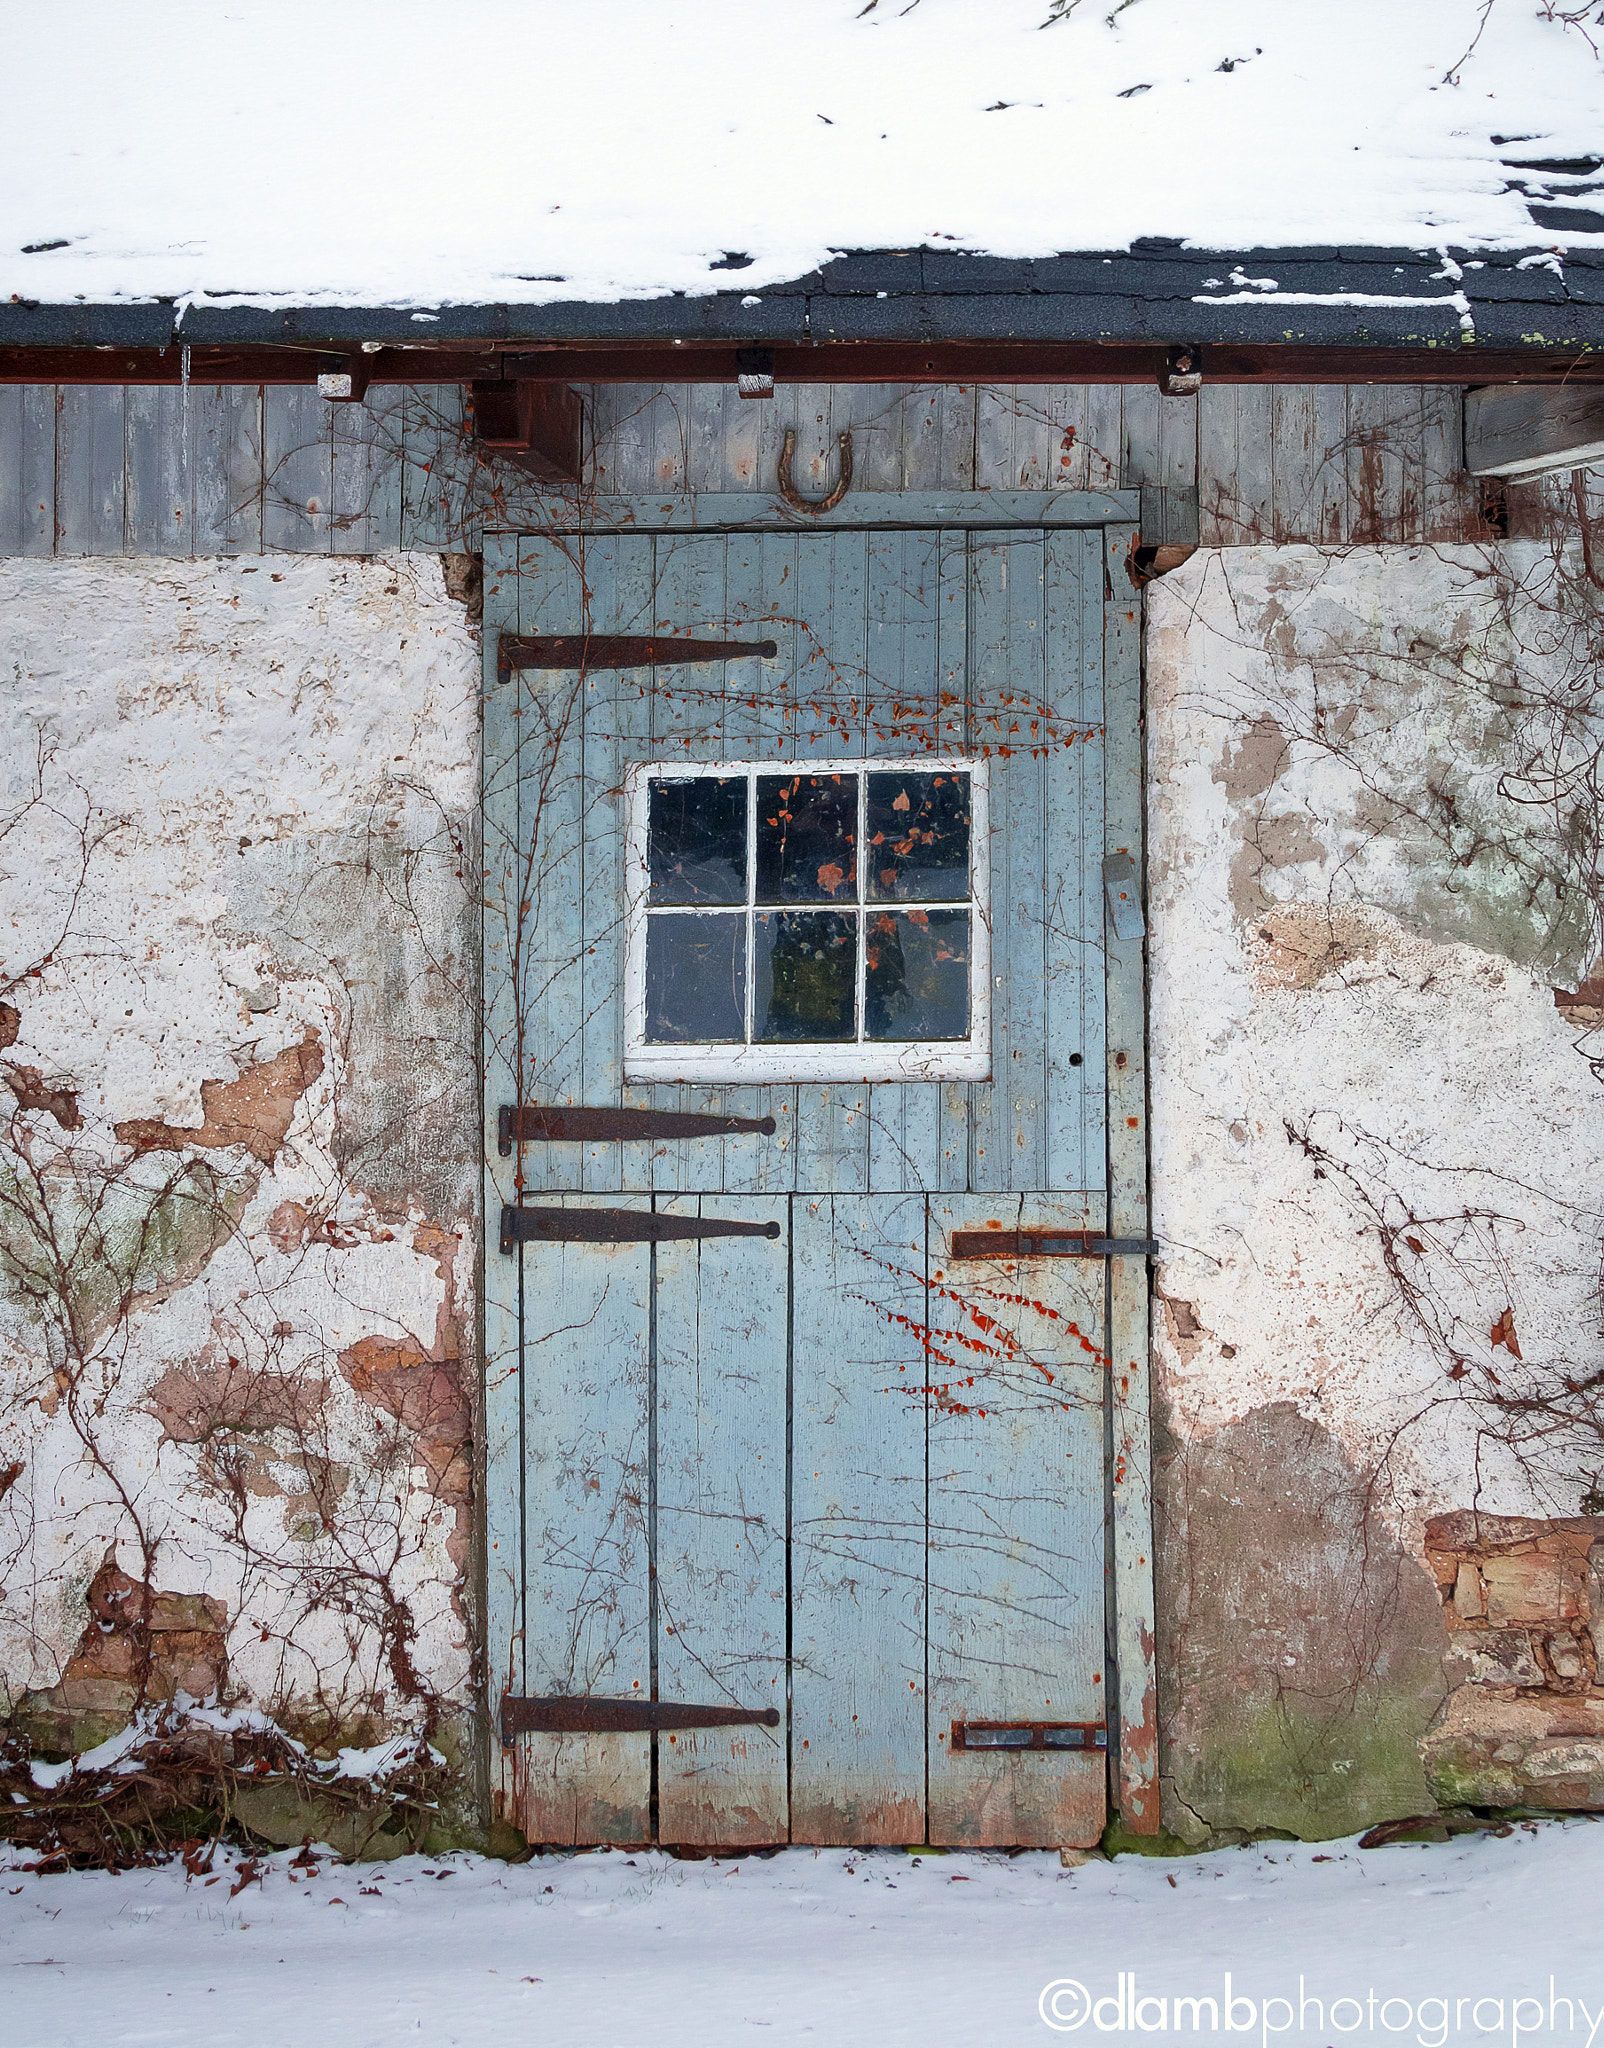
(818, 921)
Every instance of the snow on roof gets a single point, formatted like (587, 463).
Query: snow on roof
(387, 152)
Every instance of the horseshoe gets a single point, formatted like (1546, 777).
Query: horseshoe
(814, 507)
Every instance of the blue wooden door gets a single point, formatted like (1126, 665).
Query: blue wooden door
(803, 831)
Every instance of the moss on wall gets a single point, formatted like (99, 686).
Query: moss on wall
(1300, 1647)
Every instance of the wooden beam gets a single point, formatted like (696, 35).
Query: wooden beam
(536, 424)
(661, 362)
(1517, 430)
(1135, 1689)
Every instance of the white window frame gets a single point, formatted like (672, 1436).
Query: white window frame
(953, 1059)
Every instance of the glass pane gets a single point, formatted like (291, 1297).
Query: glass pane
(917, 828)
(806, 968)
(696, 980)
(696, 840)
(807, 834)
(916, 974)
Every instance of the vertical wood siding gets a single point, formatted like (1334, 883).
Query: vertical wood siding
(97, 470)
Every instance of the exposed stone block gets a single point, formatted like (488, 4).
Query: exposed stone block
(1470, 1600)
(285, 1813)
(1530, 1586)
(1503, 1657)
(1565, 1760)
(189, 1612)
(95, 1696)
(1565, 1656)
(1535, 1750)
(1595, 1600)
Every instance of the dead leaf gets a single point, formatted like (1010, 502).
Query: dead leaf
(1503, 1332)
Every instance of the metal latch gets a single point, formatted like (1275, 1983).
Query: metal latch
(585, 1716)
(1081, 1735)
(554, 1123)
(1046, 1244)
(1121, 885)
(615, 1226)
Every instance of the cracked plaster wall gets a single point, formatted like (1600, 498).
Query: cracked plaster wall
(1336, 951)
(257, 1000)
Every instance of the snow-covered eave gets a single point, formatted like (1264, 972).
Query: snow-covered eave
(1529, 297)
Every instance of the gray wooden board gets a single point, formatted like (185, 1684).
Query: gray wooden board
(690, 511)
(721, 1338)
(297, 468)
(1327, 463)
(586, 1425)
(503, 1405)
(1130, 1395)
(90, 470)
(1016, 1526)
(858, 1519)
(227, 475)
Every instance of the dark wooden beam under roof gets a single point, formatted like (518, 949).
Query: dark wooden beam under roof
(950, 362)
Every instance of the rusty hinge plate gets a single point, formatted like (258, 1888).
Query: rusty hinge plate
(584, 1126)
(616, 1226)
(1016, 1735)
(1046, 1244)
(609, 1717)
(619, 650)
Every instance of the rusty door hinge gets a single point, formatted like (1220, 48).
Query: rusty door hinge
(608, 1717)
(1046, 1244)
(615, 1226)
(619, 650)
(585, 1126)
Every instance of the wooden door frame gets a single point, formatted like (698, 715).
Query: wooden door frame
(1132, 1693)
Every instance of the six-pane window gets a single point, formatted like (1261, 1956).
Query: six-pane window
(814, 906)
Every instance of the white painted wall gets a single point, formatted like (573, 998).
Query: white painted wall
(239, 796)
(1330, 950)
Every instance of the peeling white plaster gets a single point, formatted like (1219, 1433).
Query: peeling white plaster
(233, 735)
(1318, 959)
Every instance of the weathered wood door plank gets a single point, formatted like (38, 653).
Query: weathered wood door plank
(1016, 1526)
(720, 1377)
(586, 1428)
(858, 1519)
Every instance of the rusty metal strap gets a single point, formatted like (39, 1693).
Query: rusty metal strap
(610, 1717)
(615, 1226)
(1056, 1735)
(583, 1126)
(1046, 1244)
(619, 650)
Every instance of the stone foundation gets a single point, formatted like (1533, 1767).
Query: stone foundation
(1524, 1603)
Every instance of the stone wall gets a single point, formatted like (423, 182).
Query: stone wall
(1524, 1604)
(1378, 1143)
(238, 1143)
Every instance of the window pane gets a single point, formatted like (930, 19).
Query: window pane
(916, 974)
(806, 968)
(918, 838)
(696, 980)
(807, 832)
(696, 840)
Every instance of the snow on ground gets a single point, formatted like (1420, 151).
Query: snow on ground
(637, 1950)
(397, 152)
